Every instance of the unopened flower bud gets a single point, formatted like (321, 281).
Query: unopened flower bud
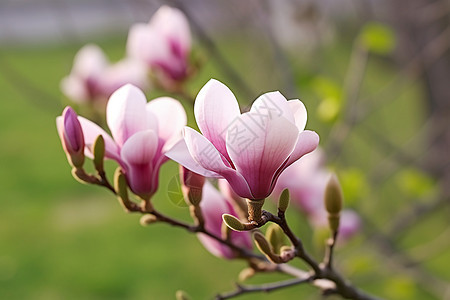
(98, 150)
(71, 135)
(191, 186)
(121, 187)
(283, 203)
(333, 196)
(182, 295)
(276, 237)
(148, 219)
(246, 274)
(233, 222)
(264, 246)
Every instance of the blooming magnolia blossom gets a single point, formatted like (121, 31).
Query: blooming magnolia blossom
(141, 134)
(213, 205)
(163, 44)
(93, 77)
(249, 150)
(306, 180)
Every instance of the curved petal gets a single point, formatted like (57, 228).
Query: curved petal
(89, 61)
(271, 105)
(213, 205)
(138, 153)
(91, 131)
(126, 114)
(215, 109)
(207, 156)
(300, 115)
(259, 152)
(144, 43)
(173, 25)
(180, 154)
(307, 142)
(171, 119)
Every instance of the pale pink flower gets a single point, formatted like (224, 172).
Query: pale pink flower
(213, 205)
(163, 44)
(249, 150)
(306, 180)
(71, 135)
(141, 134)
(93, 77)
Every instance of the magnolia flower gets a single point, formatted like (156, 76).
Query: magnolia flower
(71, 135)
(306, 180)
(213, 205)
(163, 44)
(141, 134)
(93, 77)
(249, 150)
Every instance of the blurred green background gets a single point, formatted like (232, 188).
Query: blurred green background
(63, 240)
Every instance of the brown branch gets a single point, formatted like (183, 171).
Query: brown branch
(266, 288)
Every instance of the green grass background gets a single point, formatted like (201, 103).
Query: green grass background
(60, 239)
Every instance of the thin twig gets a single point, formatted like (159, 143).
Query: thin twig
(266, 288)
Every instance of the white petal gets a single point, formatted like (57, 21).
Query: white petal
(171, 119)
(300, 114)
(126, 113)
(215, 109)
(258, 153)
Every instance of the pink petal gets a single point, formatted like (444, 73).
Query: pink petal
(171, 119)
(215, 109)
(180, 154)
(307, 142)
(138, 153)
(259, 152)
(125, 71)
(90, 61)
(207, 156)
(146, 44)
(300, 114)
(174, 26)
(271, 105)
(91, 131)
(126, 113)
(213, 205)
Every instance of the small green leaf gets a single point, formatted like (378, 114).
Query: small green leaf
(233, 222)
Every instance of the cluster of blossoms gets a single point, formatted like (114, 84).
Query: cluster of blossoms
(159, 49)
(253, 153)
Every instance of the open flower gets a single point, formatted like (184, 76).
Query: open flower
(141, 134)
(249, 150)
(93, 77)
(213, 205)
(163, 44)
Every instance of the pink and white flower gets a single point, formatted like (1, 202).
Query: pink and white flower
(163, 44)
(249, 150)
(306, 181)
(93, 77)
(141, 135)
(213, 205)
